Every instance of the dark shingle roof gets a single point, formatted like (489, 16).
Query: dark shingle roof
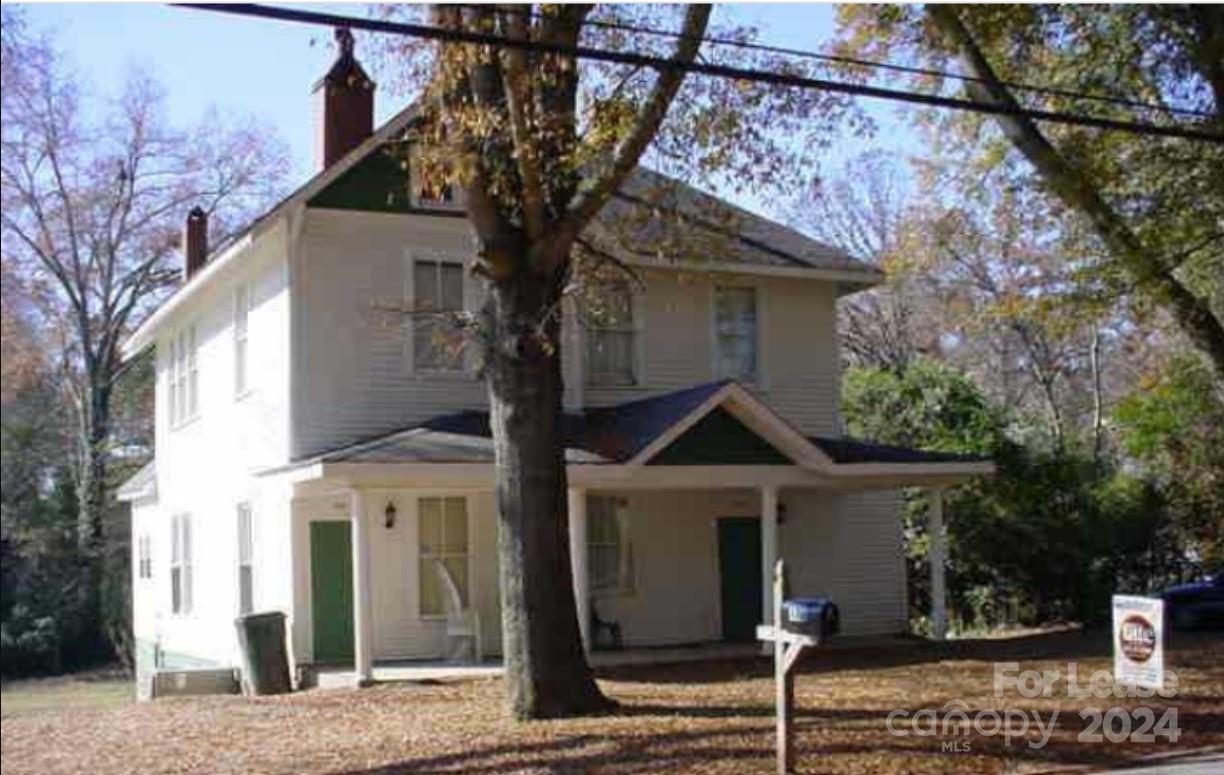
(847, 450)
(614, 434)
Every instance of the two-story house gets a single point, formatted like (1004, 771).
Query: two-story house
(319, 456)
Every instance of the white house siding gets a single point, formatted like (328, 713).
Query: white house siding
(353, 374)
(204, 465)
(848, 546)
(845, 546)
(352, 370)
(798, 350)
(399, 631)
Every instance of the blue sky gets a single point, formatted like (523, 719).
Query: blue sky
(265, 69)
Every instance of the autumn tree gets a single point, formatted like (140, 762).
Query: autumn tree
(94, 196)
(1153, 204)
(541, 142)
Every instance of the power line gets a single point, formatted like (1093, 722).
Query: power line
(705, 68)
(847, 60)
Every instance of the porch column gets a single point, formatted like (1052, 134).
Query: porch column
(769, 549)
(363, 646)
(936, 556)
(578, 561)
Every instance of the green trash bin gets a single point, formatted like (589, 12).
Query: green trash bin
(265, 661)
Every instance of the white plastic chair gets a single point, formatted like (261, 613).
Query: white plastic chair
(461, 623)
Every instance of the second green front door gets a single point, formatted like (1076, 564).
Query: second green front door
(739, 570)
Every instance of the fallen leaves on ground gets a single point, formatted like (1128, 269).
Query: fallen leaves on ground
(692, 718)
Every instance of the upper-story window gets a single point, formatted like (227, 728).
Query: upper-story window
(612, 337)
(735, 333)
(184, 372)
(437, 294)
(430, 185)
(242, 311)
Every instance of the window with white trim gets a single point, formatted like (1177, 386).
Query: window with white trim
(443, 538)
(242, 311)
(612, 337)
(429, 181)
(144, 556)
(437, 296)
(609, 553)
(184, 372)
(246, 560)
(180, 564)
(735, 333)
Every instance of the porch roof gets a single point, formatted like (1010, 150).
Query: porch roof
(712, 424)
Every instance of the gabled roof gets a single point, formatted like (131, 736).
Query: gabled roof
(759, 242)
(650, 431)
(142, 484)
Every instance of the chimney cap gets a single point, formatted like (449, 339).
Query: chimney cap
(346, 71)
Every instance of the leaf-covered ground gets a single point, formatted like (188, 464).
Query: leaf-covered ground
(707, 718)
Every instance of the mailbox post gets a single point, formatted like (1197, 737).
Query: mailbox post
(787, 648)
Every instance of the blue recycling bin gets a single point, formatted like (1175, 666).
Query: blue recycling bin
(815, 616)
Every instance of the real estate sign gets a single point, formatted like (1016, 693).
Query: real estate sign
(1138, 641)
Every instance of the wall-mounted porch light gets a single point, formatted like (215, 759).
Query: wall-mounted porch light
(389, 515)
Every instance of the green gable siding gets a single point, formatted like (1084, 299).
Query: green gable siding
(719, 439)
(378, 183)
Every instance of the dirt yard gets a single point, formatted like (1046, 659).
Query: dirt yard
(707, 718)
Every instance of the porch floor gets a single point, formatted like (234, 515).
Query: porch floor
(342, 676)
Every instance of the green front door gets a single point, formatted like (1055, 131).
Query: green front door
(739, 569)
(331, 590)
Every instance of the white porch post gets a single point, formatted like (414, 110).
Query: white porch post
(769, 549)
(578, 561)
(363, 647)
(936, 556)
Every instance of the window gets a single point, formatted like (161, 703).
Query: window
(428, 178)
(735, 332)
(180, 564)
(144, 557)
(246, 561)
(443, 538)
(609, 555)
(611, 338)
(437, 287)
(184, 380)
(242, 309)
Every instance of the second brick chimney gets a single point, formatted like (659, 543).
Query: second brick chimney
(344, 105)
(195, 242)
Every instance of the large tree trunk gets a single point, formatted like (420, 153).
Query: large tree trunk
(546, 669)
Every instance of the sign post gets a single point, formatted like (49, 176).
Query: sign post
(1138, 641)
(787, 648)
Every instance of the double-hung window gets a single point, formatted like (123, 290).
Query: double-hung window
(443, 538)
(242, 309)
(184, 382)
(611, 338)
(246, 560)
(144, 556)
(735, 333)
(609, 554)
(180, 564)
(437, 297)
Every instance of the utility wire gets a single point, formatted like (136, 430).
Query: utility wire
(847, 60)
(705, 68)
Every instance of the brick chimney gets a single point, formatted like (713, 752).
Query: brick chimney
(195, 242)
(344, 105)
